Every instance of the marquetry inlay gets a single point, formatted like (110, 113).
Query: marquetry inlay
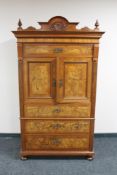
(75, 79)
(60, 126)
(39, 79)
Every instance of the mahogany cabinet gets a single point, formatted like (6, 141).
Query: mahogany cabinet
(57, 84)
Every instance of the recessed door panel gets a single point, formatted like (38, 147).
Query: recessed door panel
(74, 79)
(39, 79)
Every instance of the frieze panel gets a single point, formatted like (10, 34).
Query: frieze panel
(35, 50)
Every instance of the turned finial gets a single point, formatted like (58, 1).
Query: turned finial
(96, 25)
(19, 25)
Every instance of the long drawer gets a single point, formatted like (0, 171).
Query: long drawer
(56, 126)
(56, 142)
(65, 110)
(34, 50)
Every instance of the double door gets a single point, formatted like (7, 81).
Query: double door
(58, 79)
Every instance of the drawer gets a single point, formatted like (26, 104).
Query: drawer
(56, 126)
(56, 142)
(65, 110)
(34, 50)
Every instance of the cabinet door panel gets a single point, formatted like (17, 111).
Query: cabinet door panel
(74, 79)
(39, 78)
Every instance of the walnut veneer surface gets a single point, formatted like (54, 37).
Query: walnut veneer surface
(57, 83)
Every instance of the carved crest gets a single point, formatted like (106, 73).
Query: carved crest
(58, 26)
(58, 23)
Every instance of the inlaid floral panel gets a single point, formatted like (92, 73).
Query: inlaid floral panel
(75, 79)
(39, 79)
(60, 126)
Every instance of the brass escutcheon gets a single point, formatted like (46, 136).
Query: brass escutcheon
(58, 50)
(55, 141)
(56, 125)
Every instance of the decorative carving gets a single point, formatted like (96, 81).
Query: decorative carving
(19, 25)
(66, 110)
(61, 126)
(36, 142)
(31, 28)
(96, 25)
(85, 29)
(75, 79)
(58, 26)
(95, 59)
(58, 23)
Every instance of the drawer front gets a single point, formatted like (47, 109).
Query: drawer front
(56, 142)
(65, 110)
(56, 126)
(34, 50)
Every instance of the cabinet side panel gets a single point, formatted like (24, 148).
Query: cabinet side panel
(94, 78)
(93, 98)
(21, 86)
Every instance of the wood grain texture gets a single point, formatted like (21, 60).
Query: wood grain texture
(63, 110)
(34, 50)
(49, 39)
(58, 23)
(56, 142)
(76, 74)
(56, 126)
(39, 79)
(39, 76)
(57, 83)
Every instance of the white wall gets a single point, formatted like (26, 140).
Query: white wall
(31, 11)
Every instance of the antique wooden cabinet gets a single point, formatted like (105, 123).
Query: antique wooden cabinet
(57, 83)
